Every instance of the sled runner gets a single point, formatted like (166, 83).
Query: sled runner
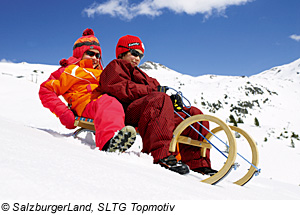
(86, 124)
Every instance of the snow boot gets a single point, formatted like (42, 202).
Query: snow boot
(172, 164)
(205, 171)
(122, 140)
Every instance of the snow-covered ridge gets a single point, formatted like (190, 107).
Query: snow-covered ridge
(289, 72)
(32, 72)
(40, 160)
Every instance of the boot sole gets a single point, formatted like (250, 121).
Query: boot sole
(123, 140)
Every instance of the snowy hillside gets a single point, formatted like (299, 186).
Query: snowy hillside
(40, 160)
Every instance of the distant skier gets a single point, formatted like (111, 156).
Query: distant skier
(149, 108)
(78, 82)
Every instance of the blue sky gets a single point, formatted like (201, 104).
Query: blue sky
(195, 37)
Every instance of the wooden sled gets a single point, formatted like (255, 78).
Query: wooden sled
(86, 124)
(232, 153)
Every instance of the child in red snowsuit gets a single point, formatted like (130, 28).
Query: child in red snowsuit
(149, 110)
(78, 82)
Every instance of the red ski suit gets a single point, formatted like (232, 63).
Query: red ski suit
(151, 111)
(79, 85)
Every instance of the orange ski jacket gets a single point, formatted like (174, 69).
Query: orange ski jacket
(78, 84)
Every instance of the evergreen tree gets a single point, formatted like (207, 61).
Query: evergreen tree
(232, 120)
(240, 120)
(256, 122)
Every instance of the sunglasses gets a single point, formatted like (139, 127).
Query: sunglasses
(92, 54)
(134, 52)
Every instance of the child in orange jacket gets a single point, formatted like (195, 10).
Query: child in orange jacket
(78, 82)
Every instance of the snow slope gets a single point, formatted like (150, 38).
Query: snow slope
(40, 160)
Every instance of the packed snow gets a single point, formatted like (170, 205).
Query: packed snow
(40, 160)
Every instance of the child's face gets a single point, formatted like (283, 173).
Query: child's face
(134, 60)
(93, 54)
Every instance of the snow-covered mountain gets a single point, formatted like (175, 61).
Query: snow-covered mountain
(270, 97)
(39, 159)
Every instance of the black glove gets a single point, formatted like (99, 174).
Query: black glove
(177, 102)
(162, 89)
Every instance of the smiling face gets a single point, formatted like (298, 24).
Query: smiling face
(94, 55)
(133, 59)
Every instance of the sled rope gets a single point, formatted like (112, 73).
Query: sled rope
(203, 136)
(224, 143)
(180, 94)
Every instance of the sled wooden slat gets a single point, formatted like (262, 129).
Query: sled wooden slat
(84, 123)
(189, 141)
(192, 142)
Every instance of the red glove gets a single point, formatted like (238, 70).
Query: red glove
(68, 119)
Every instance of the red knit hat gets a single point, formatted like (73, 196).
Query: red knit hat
(86, 42)
(129, 41)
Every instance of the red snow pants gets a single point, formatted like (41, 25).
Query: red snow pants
(108, 115)
(154, 116)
